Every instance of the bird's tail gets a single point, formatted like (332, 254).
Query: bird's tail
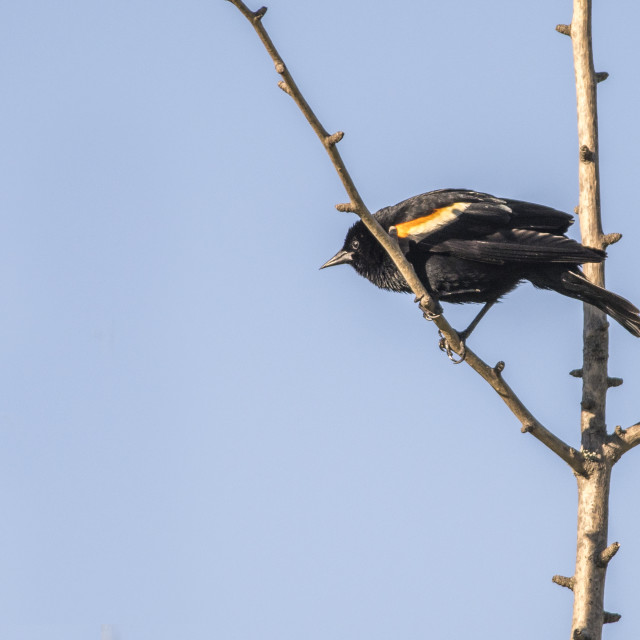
(575, 285)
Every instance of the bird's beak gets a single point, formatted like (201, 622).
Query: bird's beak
(342, 257)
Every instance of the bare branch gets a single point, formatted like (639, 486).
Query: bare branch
(289, 86)
(623, 440)
(563, 581)
(632, 436)
(530, 424)
(430, 308)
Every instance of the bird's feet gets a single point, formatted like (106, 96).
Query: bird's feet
(451, 354)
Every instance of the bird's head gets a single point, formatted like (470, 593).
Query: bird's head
(364, 253)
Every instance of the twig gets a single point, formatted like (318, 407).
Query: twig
(429, 307)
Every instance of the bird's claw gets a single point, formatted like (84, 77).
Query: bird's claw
(427, 314)
(446, 347)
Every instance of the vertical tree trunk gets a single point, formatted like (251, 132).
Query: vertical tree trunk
(593, 487)
(589, 578)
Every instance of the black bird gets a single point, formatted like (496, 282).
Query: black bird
(467, 246)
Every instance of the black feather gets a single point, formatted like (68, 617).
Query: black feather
(467, 246)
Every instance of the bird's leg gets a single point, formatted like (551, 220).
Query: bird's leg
(474, 323)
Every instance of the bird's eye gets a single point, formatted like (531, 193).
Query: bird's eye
(355, 244)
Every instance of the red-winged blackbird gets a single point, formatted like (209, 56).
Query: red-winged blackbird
(467, 246)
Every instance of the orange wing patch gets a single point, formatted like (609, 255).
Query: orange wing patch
(432, 222)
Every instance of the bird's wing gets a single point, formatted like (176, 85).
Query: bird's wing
(527, 215)
(437, 215)
(520, 246)
(468, 218)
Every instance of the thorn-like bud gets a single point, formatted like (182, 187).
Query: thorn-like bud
(601, 76)
(586, 155)
(259, 13)
(608, 553)
(611, 238)
(578, 634)
(619, 431)
(334, 138)
(280, 66)
(346, 207)
(563, 581)
(526, 428)
(499, 368)
(564, 29)
(576, 373)
(607, 617)
(285, 87)
(614, 382)
(576, 210)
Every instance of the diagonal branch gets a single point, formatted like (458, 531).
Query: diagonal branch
(429, 307)
(356, 204)
(493, 375)
(624, 440)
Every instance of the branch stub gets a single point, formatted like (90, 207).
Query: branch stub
(611, 238)
(563, 581)
(334, 138)
(607, 554)
(614, 382)
(259, 13)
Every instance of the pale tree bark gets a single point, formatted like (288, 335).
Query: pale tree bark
(593, 463)
(592, 553)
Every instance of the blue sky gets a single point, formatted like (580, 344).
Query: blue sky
(203, 436)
